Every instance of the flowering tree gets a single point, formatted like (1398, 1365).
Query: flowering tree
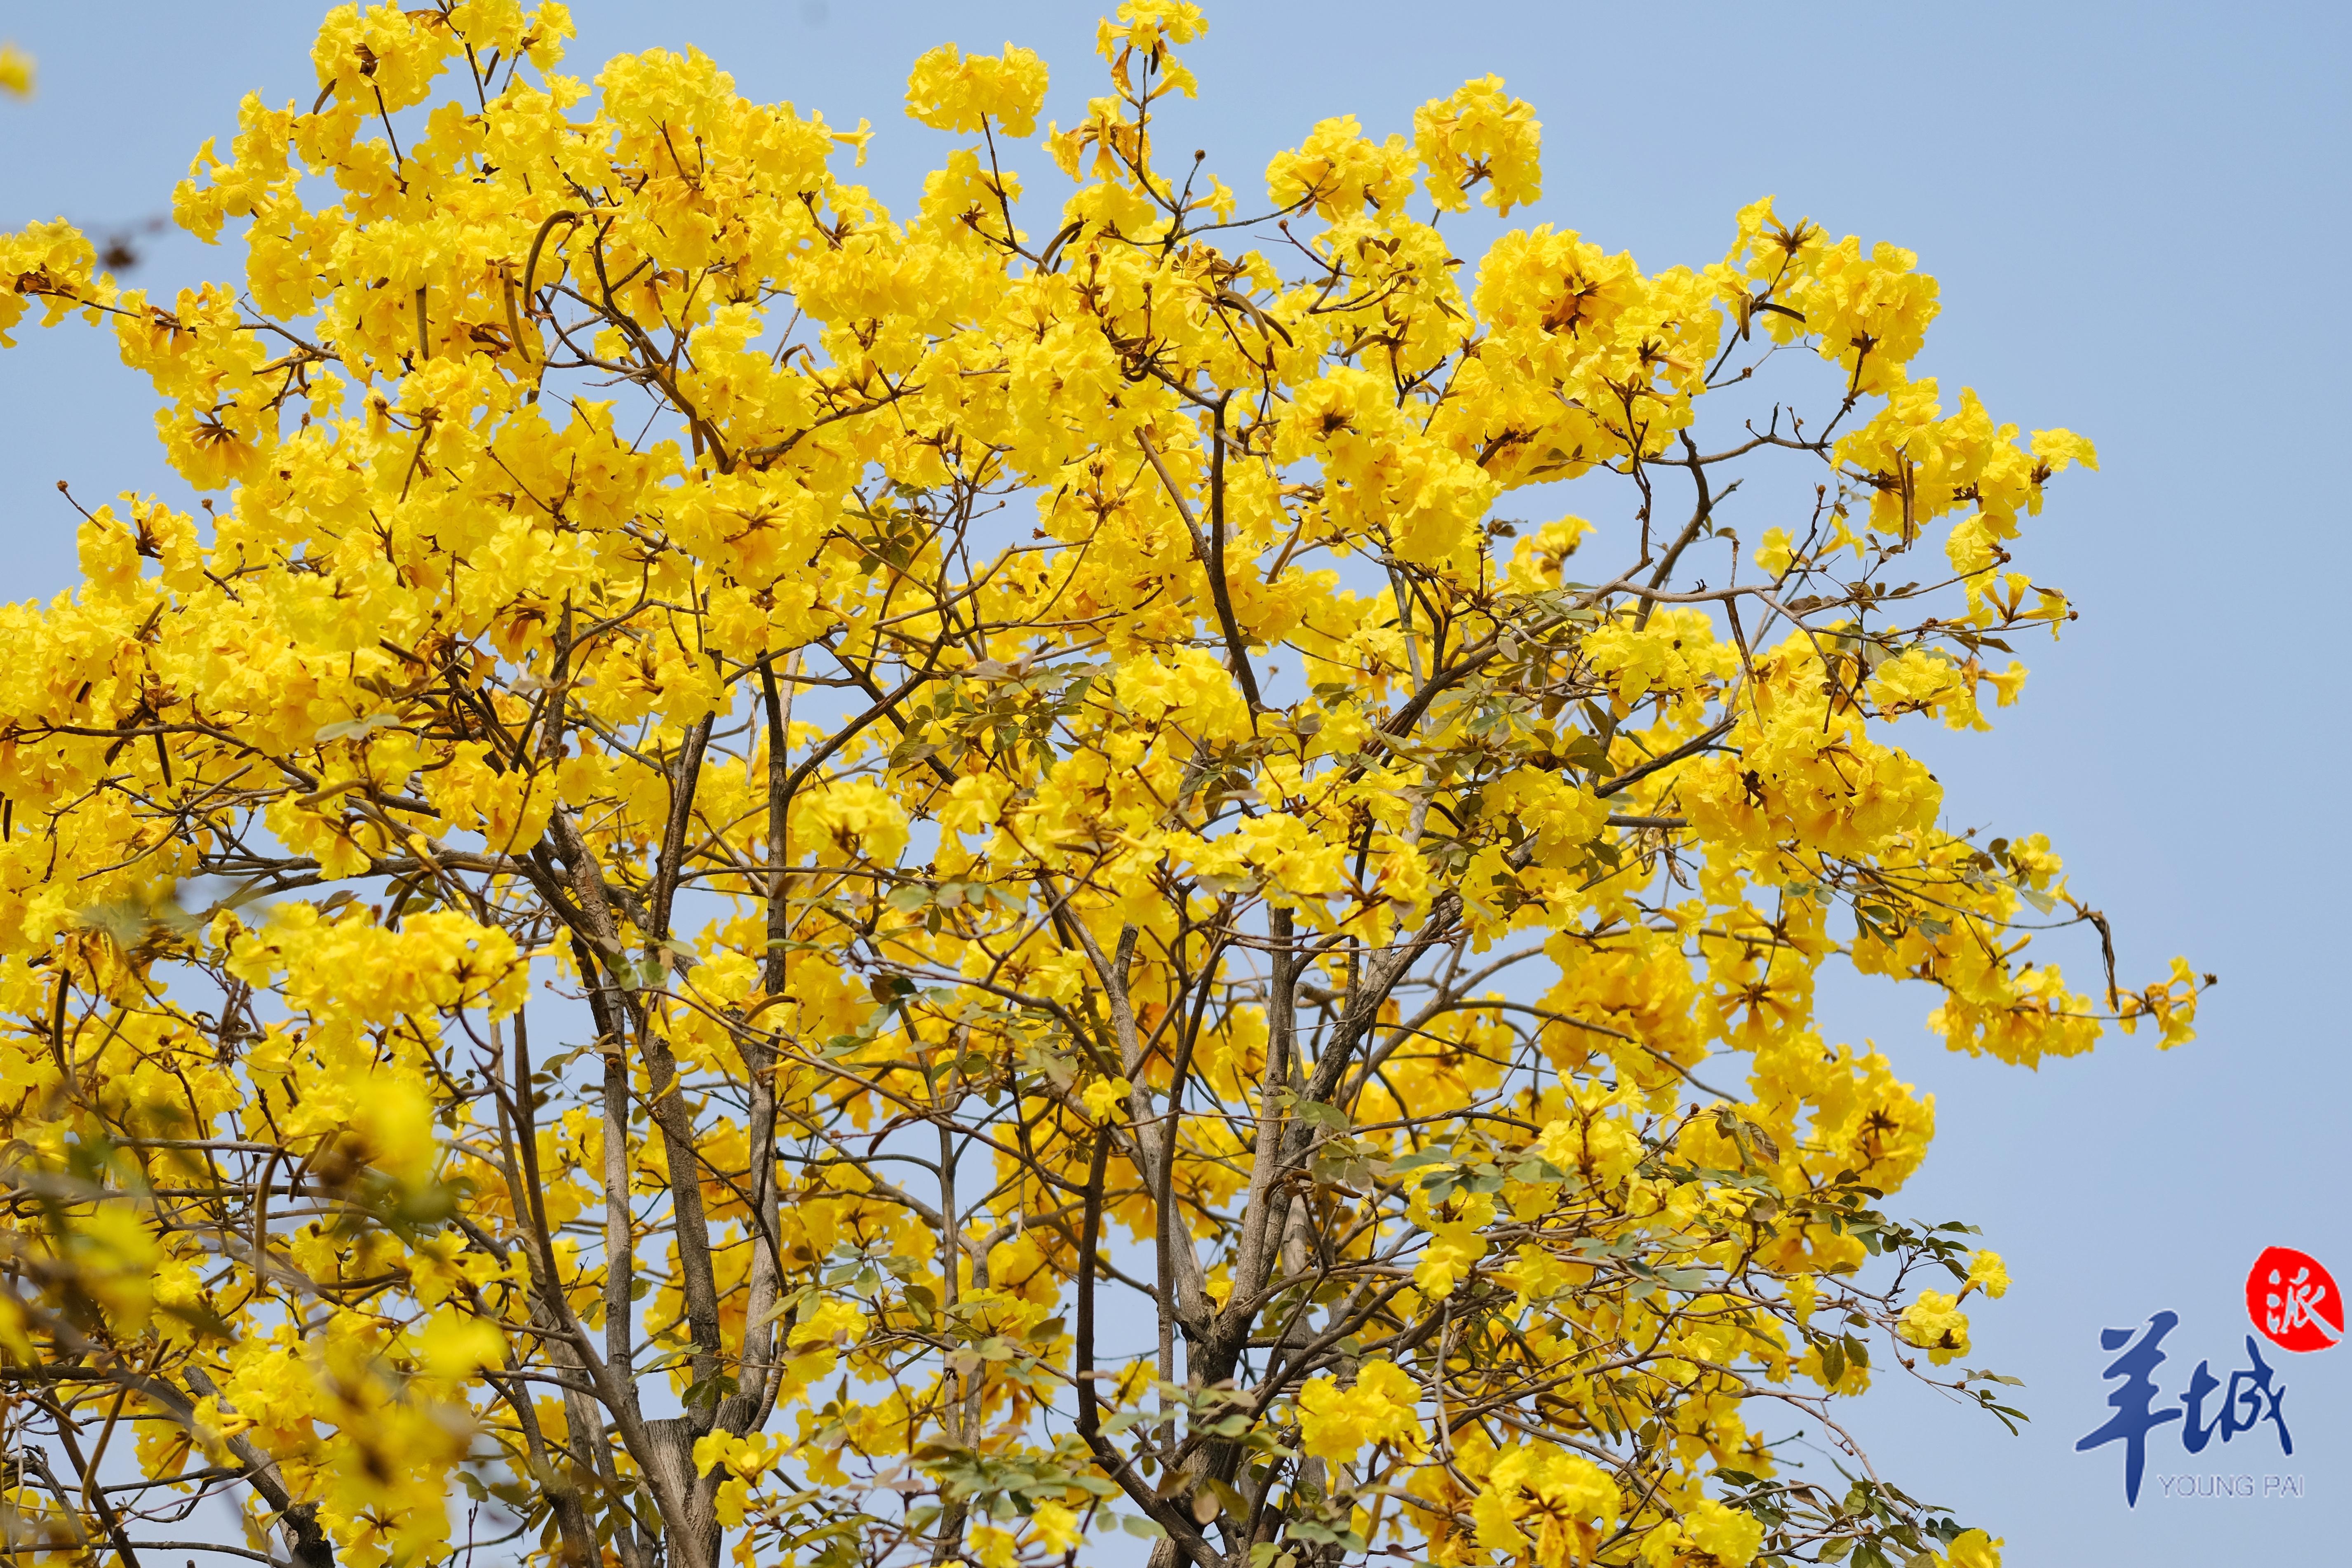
(848, 890)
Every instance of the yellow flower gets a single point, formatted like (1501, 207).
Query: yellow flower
(1726, 1534)
(833, 1322)
(1480, 134)
(16, 70)
(113, 1257)
(1338, 172)
(1144, 23)
(1377, 1407)
(456, 1346)
(2060, 448)
(1988, 1273)
(1601, 1146)
(1973, 1549)
(1055, 1527)
(994, 1548)
(1936, 1324)
(949, 91)
(1102, 1095)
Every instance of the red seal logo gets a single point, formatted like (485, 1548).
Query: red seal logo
(2293, 1300)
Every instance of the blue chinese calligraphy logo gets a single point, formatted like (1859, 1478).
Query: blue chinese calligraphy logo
(2252, 1398)
(2294, 1302)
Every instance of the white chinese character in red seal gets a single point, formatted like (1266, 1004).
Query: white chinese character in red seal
(2293, 1300)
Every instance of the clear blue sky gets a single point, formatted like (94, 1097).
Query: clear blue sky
(2138, 214)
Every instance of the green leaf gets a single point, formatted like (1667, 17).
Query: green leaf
(1321, 1115)
(709, 1392)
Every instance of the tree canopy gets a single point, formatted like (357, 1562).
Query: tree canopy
(786, 883)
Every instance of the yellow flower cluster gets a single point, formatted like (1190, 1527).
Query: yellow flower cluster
(952, 91)
(1339, 1423)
